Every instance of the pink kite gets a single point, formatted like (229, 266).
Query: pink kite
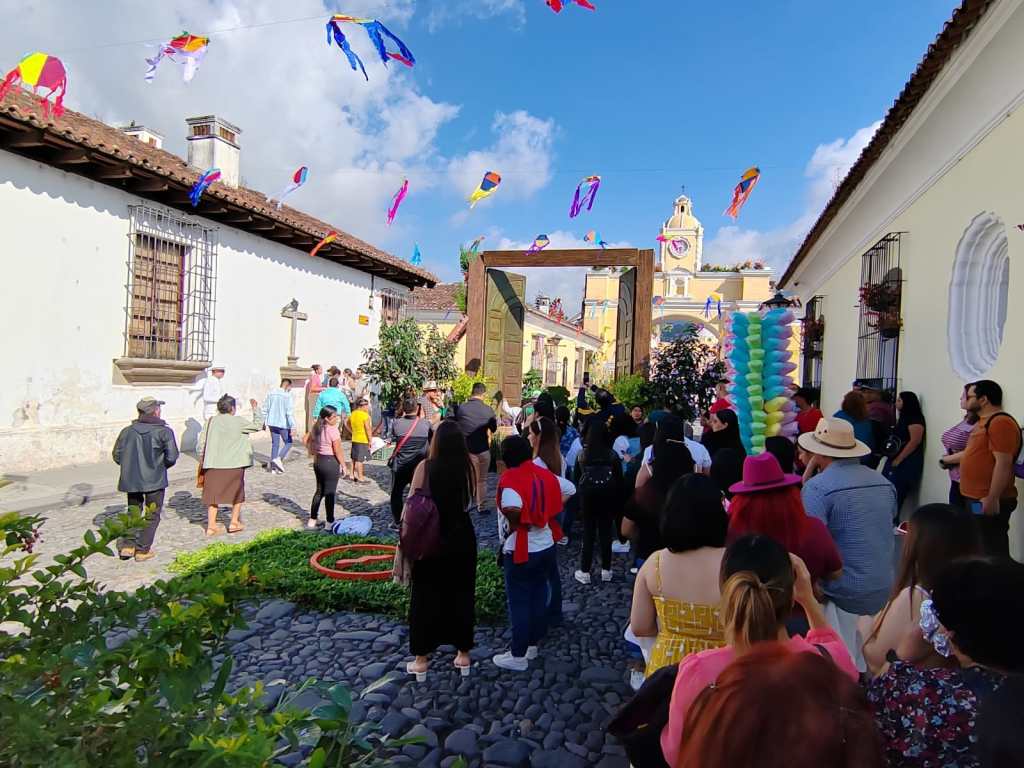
(40, 70)
(397, 201)
(298, 179)
(593, 183)
(557, 5)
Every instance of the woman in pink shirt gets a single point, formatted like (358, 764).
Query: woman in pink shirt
(760, 583)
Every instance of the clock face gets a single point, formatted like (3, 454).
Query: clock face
(678, 247)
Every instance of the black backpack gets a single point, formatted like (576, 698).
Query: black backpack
(595, 477)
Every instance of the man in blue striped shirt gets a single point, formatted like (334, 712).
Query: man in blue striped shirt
(858, 506)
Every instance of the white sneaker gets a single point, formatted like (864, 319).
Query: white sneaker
(563, 542)
(581, 577)
(311, 523)
(636, 679)
(279, 466)
(606, 575)
(620, 548)
(531, 652)
(508, 661)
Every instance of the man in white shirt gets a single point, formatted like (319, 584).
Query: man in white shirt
(211, 392)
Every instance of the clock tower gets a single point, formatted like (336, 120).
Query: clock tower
(682, 242)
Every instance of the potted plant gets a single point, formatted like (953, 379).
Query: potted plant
(814, 332)
(880, 297)
(887, 324)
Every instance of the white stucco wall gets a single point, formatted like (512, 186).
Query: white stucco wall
(959, 162)
(65, 254)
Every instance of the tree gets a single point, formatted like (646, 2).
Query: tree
(439, 357)
(683, 376)
(397, 362)
(532, 382)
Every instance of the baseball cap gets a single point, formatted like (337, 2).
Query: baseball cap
(148, 404)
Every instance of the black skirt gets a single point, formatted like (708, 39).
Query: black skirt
(442, 602)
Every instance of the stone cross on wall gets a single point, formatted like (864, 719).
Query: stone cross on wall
(291, 311)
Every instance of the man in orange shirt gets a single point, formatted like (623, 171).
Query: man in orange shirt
(986, 469)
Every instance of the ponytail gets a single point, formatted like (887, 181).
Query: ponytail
(318, 427)
(751, 610)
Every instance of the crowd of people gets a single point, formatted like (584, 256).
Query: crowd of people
(787, 593)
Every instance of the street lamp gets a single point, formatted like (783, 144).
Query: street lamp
(779, 301)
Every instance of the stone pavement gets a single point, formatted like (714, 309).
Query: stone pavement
(554, 714)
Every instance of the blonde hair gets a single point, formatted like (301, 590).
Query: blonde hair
(752, 610)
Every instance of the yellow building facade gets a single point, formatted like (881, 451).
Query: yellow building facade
(683, 284)
(931, 211)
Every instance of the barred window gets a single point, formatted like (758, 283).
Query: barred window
(392, 307)
(881, 293)
(171, 287)
(536, 354)
(812, 346)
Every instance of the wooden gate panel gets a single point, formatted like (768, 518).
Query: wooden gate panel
(503, 342)
(626, 326)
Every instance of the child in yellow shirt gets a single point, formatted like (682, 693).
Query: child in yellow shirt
(359, 424)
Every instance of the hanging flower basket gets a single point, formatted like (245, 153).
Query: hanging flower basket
(880, 297)
(814, 330)
(888, 324)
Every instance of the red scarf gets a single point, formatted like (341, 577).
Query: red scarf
(542, 502)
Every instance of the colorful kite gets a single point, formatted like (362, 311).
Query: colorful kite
(397, 201)
(203, 184)
(742, 191)
(476, 244)
(40, 70)
(186, 48)
(376, 32)
(328, 239)
(713, 297)
(593, 236)
(416, 259)
(540, 242)
(593, 183)
(557, 5)
(490, 183)
(298, 179)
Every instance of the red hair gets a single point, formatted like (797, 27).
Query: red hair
(778, 514)
(775, 708)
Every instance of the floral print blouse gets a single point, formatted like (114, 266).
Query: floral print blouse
(927, 716)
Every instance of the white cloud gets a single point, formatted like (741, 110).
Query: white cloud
(522, 154)
(566, 283)
(447, 12)
(825, 170)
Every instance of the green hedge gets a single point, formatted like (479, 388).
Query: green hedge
(279, 559)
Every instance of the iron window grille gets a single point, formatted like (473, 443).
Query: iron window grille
(171, 288)
(878, 342)
(813, 326)
(393, 307)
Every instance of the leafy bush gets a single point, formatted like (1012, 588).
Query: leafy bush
(280, 559)
(396, 363)
(462, 386)
(72, 695)
(629, 390)
(560, 395)
(683, 376)
(532, 381)
(439, 357)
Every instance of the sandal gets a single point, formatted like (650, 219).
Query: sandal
(421, 677)
(216, 531)
(463, 668)
(236, 528)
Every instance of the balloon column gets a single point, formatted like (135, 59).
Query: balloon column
(760, 366)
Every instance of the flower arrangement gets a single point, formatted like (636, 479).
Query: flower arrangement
(814, 329)
(888, 323)
(740, 267)
(880, 297)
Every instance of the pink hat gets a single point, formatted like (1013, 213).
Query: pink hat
(763, 473)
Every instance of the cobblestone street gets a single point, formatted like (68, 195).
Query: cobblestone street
(554, 714)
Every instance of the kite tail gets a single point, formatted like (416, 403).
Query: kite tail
(58, 101)
(405, 55)
(339, 37)
(574, 209)
(5, 87)
(151, 71)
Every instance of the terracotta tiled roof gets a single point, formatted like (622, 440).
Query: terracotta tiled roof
(952, 36)
(440, 298)
(108, 146)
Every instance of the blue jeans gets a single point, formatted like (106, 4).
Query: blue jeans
(554, 591)
(280, 442)
(526, 585)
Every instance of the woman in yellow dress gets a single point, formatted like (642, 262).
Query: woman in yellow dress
(676, 595)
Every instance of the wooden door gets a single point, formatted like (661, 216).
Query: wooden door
(503, 332)
(625, 328)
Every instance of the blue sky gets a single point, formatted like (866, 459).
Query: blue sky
(650, 94)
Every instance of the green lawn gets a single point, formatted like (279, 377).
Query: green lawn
(279, 558)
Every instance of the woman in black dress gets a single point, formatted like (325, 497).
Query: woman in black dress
(443, 586)
(726, 449)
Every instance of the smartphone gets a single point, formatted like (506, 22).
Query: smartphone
(586, 378)
(976, 508)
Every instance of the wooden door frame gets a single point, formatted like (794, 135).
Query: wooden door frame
(641, 259)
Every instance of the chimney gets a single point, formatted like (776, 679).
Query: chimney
(144, 134)
(213, 143)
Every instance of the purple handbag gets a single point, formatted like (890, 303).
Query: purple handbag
(421, 526)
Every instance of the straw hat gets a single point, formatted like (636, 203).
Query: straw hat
(833, 438)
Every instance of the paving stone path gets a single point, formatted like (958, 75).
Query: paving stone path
(552, 715)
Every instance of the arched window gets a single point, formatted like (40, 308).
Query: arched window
(978, 294)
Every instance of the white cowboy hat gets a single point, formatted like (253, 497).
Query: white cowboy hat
(833, 438)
